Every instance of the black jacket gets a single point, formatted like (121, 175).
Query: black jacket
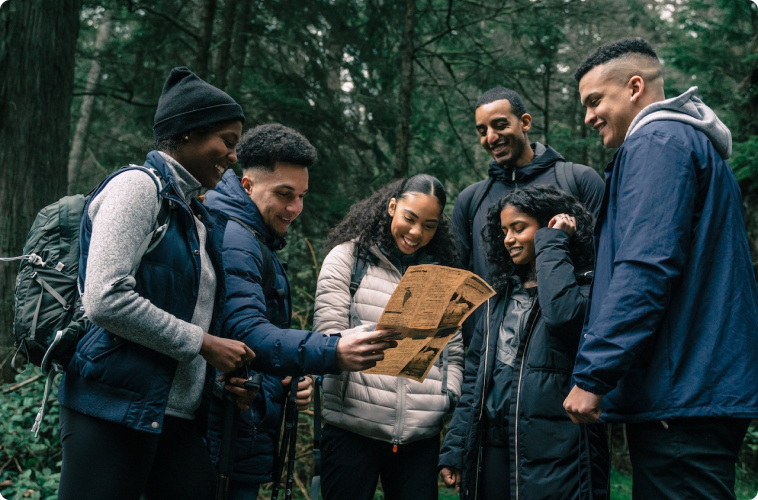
(551, 458)
(541, 171)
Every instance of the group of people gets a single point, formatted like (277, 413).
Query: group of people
(630, 300)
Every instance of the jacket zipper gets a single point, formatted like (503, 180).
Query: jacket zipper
(481, 407)
(518, 394)
(400, 407)
(400, 388)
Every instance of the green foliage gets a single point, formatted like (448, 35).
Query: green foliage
(743, 161)
(29, 466)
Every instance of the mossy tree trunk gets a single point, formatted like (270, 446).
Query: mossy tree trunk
(37, 43)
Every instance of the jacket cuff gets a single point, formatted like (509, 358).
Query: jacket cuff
(451, 459)
(590, 388)
(550, 236)
(330, 354)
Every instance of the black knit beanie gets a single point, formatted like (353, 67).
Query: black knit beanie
(187, 103)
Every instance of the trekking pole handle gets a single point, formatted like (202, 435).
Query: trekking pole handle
(253, 382)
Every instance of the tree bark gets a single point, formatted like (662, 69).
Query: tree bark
(203, 55)
(546, 101)
(750, 84)
(79, 142)
(403, 141)
(225, 43)
(37, 44)
(239, 48)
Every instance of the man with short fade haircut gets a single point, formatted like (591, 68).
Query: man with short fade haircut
(669, 343)
(261, 207)
(503, 125)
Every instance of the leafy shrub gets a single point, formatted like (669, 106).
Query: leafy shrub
(29, 466)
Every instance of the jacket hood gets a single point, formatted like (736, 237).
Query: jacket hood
(689, 109)
(544, 158)
(230, 198)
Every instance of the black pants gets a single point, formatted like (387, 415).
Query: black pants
(693, 459)
(105, 460)
(495, 479)
(352, 465)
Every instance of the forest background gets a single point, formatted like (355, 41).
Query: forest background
(382, 88)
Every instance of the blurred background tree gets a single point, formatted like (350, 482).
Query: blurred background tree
(381, 87)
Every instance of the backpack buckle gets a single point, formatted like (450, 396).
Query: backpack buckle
(36, 260)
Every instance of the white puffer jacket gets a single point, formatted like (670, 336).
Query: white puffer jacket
(393, 409)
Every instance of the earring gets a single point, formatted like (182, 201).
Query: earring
(186, 138)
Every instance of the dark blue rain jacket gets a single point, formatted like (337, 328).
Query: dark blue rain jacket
(672, 330)
(251, 318)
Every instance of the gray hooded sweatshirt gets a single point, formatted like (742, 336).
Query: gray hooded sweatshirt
(690, 110)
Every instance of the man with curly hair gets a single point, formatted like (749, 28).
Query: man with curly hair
(261, 207)
(669, 344)
(503, 125)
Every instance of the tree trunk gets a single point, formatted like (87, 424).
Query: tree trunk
(225, 43)
(79, 142)
(546, 101)
(403, 141)
(239, 48)
(750, 84)
(37, 44)
(203, 55)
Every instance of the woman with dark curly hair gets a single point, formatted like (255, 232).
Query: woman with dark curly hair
(376, 425)
(510, 437)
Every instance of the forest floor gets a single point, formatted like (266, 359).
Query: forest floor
(621, 488)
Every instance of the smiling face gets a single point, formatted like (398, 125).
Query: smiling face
(518, 235)
(278, 194)
(503, 135)
(611, 106)
(415, 218)
(207, 154)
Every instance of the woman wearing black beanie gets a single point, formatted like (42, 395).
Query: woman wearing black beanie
(130, 393)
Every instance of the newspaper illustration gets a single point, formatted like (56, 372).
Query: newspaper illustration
(427, 308)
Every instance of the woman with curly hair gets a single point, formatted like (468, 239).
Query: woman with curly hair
(379, 426)
(510, 436)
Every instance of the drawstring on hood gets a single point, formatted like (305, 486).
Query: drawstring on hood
(689, 109)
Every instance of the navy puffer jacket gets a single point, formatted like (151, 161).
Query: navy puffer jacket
(251, 318)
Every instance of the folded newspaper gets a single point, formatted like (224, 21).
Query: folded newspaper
(427, 308)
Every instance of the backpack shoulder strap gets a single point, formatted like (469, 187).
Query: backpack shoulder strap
(363, 259)
(268, 274)
(154, 237)
(476, 202)
(564, 173)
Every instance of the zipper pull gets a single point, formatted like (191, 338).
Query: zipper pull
(394, 448)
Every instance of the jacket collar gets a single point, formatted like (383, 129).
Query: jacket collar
(545, 157)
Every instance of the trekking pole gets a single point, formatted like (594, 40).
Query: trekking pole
(229, 436)
(316, 481)
(293, 442)
(289, 442)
